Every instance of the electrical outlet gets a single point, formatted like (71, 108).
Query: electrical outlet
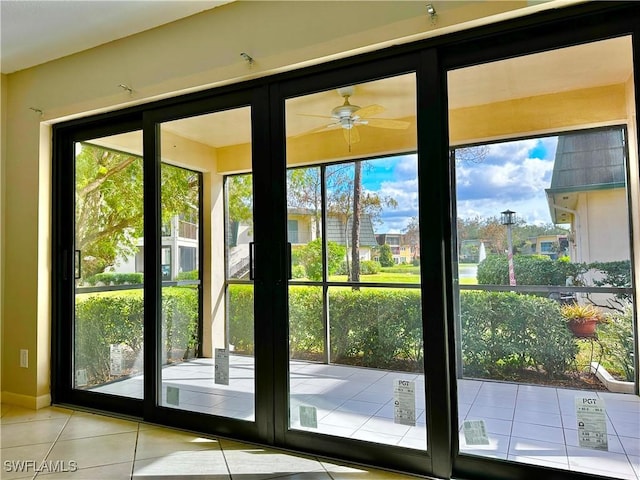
(24, 358)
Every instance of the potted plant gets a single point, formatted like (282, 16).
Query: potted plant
(582, 319)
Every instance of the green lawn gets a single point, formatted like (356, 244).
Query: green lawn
(382, 277)
(137, 292)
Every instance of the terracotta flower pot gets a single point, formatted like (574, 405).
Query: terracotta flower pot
(584, 328)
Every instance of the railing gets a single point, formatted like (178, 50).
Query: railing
(187, 230)
(546, 289)
(240, 269)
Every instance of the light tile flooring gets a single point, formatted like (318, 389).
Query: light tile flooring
(525, 423)
(58, 443)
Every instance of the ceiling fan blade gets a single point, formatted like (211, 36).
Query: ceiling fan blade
(387, 123)
(311, 115)
(351, 135)
(316, 130)
(369, 111)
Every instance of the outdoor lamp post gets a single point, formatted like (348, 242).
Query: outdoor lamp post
(508, 218)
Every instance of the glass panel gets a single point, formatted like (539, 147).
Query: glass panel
(352, 218)
(207, 361)
(304, 220)
(109, 265)
(543, 243)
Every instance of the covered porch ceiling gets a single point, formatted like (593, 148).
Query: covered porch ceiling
(566, 89)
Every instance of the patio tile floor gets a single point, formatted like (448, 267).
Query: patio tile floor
(525, 423)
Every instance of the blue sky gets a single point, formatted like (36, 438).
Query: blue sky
(513, 175)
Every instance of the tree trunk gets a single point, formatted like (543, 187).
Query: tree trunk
(355, 230)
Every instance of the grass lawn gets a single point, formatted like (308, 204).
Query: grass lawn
(136, 292)
(382, 277)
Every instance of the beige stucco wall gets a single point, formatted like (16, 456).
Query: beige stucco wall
(603, 233)
(191, 54)
(552, 113)
(3, 144)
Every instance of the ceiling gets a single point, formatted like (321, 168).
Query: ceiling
(37, 31)
(594, 64)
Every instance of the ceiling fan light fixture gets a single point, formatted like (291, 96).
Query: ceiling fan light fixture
(346, 110)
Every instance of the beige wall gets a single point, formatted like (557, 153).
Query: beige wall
(589, 107)
(3, 156)
(600, 213)
(191, 54)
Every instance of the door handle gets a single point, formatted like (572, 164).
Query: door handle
(251, 273)
(78, 265)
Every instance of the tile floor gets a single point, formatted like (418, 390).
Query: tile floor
(58, 443)
(525, 423)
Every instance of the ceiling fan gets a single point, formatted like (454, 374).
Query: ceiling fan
(348, 116)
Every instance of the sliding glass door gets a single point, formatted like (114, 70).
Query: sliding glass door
(543, 250)
(379, 260)
(108, 266)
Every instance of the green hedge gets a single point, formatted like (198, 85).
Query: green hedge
(369, 267)
(376, 327)
(503, 332)
(616, 337)
(240, 304)
(112, 278)
(191, 275)
(105, 320)
(528, 269)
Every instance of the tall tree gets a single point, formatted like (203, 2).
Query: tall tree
(355, 224)
(109, 203)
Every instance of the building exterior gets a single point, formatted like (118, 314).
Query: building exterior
(180, 242)
(401, 251)
(588, 192)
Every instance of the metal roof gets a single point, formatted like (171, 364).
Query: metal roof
(336, 231)
(593, 159)
(588, 160)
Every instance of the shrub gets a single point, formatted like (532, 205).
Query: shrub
(180, 321)
(503, 332)
(112, 278)
(528, 269)
(240, 316)
(377, 327)
(101, 321)
(310, 256)
(616, 337)
(386, 257)
(369, 267)
(298, 271)
(306, 331)
(191, 275)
